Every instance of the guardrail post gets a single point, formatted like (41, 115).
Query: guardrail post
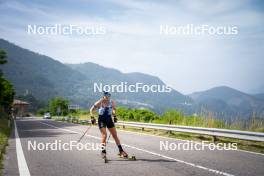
(169, 132)
(142, 129)
(214, 139)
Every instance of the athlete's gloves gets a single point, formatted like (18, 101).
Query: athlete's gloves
(115, 119)
(93, 120)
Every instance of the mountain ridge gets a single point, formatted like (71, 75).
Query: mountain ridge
(45, 78)
(230, 100)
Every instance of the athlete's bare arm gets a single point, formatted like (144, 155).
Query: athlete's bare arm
(114, 108)
(95, 106)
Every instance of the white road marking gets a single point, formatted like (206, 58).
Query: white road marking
(150, 152)
(255, 153)
(185, 140)
(22, 163)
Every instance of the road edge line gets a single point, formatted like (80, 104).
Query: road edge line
(21, 161)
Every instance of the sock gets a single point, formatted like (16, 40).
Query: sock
(120, 148)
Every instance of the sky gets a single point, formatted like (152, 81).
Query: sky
(132, 40)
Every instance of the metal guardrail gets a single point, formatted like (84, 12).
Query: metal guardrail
(215, 132)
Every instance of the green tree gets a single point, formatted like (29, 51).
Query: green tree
(2, 57)
(173, 117)
(59, 103)
(122, 113)
(42, 111)
(7, 92)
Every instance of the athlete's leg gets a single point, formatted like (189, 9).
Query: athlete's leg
(114, 134)
(104, 136)
(102, 125)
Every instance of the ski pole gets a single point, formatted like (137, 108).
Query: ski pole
(108, 138)
(84, 133)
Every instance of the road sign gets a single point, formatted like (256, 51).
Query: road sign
(58, 110)
(73, 107)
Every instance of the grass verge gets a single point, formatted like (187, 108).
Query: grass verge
(4, 135)
(253, 146)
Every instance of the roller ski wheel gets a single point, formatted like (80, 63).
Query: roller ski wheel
(124, 155)
(104, 158)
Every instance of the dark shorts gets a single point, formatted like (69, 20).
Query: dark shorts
(105, 121)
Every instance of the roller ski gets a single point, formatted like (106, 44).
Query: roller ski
(124, 155)
(104, 157)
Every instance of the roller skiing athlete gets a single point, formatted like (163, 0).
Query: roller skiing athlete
(106, 109)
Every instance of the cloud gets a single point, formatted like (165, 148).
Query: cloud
(133, 42)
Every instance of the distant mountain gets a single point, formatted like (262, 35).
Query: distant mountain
(257, 90)
(259, 96)
(109, 76)
(227, 102)
(44, 78)
(40, 75)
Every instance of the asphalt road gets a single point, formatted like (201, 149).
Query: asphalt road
(150, 159)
